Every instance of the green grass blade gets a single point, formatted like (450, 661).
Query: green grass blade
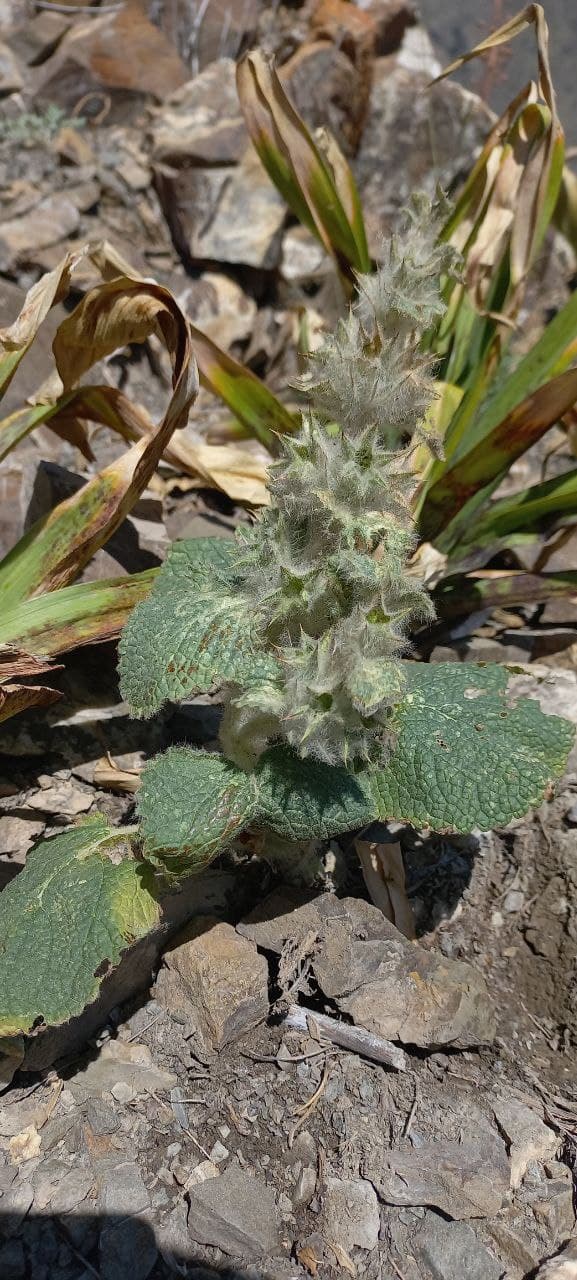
(531, 510)
(453, 498)
(257, 409)
(85, 614)
(461, 595)
(321, 191)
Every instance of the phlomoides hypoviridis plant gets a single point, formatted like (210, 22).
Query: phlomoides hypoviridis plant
(302, 624)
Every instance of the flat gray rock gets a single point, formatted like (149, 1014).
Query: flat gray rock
(121, 1063)
(235, 1212)
(464, 1179)
(452, 1251)
(351, 1213)
(127, 1248)
(122, 1190)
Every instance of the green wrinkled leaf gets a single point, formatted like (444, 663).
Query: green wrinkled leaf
(307, 800)
(466, 755)
(192, 633)
(191, 805)
(64, 921)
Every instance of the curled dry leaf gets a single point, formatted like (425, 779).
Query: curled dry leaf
(253, 404)
(308, 1259)
(121, 310)
(19, 336)
(521, 164)
(16, 666)
(238, 472)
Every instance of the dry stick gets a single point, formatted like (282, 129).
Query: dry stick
(384, 874)
(354, 1038)
(396, 1269)
(411, 1115)
(74, 9)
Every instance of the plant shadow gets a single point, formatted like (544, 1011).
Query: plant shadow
(107, 1246)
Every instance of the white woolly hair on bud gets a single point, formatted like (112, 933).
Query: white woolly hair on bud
(326, 565)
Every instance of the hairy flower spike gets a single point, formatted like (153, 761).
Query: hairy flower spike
(325, 567)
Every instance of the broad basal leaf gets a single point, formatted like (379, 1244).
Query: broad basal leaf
(64, 922)
(191, 805)
(466, 754)
(307, 800)
(193, 632)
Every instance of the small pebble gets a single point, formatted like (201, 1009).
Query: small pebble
(514, 901)
(219, 1153)
(123, 1092)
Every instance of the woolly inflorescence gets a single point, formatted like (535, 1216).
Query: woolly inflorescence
(325, 567)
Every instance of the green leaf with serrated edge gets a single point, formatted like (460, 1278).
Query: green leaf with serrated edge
(194, 632)
(191, 804)
(64, 922)
(466, 754)
(307, 800)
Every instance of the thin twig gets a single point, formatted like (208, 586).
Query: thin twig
(306, 1107)
(74, 10)
(411, 1115)
(141, 1030)
(303, 1112)
(293, 1057)
(196, 1143)
(60, 1226)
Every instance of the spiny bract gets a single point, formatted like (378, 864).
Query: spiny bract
(326, 565)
